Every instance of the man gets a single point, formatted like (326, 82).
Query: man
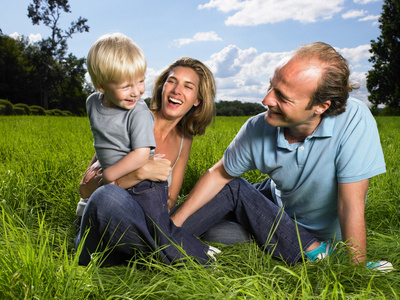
(319, 148)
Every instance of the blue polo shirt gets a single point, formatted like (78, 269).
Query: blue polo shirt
(343, 149)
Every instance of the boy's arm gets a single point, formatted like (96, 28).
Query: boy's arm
(156, 169)
(131, 162)
(206, 188)
(351, 209)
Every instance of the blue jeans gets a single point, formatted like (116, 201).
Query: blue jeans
(271, 227)
(121, 223)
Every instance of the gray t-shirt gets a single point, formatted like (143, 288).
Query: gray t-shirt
(117, 131)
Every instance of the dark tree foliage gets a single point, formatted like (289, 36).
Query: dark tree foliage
(14, 68)
(48, 12)
(27, 75)
(50, 78)
(383, 81)
(237, 108)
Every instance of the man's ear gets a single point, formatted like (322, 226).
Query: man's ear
(101, 89)
(321, 108)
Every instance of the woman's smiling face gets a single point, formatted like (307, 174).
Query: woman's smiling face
(180, 91)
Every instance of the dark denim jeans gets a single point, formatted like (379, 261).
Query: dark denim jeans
(272, 228)
(122, 222)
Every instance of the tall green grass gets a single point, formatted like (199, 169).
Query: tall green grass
(42, 160)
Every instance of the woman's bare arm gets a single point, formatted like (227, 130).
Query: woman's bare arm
(179, 172)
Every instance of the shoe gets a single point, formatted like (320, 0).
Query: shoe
(322, 251)
(382, 266)
(213, 251)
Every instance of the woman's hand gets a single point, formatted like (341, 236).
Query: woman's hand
(92, 179)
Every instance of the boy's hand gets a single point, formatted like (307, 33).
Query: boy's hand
(157, 168)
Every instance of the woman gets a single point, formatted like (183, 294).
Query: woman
(183, 106)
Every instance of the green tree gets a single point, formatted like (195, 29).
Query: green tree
(49, 12)
(54, 47)
(383, 81)
(237, 108)
(72, 94)
(13, 67)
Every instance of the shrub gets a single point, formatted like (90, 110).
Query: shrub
(390, 111)
(23, 106)
(37, 110)
(54, 112)
(6, 107)
(67, 113)
(20, 111)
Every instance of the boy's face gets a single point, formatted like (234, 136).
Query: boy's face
(123, 94)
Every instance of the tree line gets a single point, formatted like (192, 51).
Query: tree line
(29, 74)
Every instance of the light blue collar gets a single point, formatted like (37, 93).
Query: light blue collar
(324, 129)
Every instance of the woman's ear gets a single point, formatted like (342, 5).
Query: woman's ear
(197, 102)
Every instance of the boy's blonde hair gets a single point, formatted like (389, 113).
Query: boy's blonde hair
(115, 58)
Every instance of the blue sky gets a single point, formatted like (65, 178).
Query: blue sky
(241, 41)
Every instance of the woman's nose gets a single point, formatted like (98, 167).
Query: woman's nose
(177, 89)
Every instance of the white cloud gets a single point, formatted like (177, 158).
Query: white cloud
(355, 55)
(243, 74)
(360, 79)
(255, 12)
(353, 14)
(15, 36)
(370, 18)
(33, 38)
(365, 1)
(222, 5)
(198, 37)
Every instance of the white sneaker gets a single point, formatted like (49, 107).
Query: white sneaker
(213, 251)
(382, 266)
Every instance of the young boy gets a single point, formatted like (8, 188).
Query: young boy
(121, 123)
(122, 127)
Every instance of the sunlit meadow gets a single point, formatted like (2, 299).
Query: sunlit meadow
(42, 161)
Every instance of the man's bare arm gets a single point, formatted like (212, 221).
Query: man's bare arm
(351, 212)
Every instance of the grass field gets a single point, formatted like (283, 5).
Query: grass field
(42, 161)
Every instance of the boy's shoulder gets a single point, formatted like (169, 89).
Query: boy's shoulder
(141, 105)
(141, 110)
(94, 97)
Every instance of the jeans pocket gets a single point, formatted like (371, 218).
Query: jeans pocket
(146, 187)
